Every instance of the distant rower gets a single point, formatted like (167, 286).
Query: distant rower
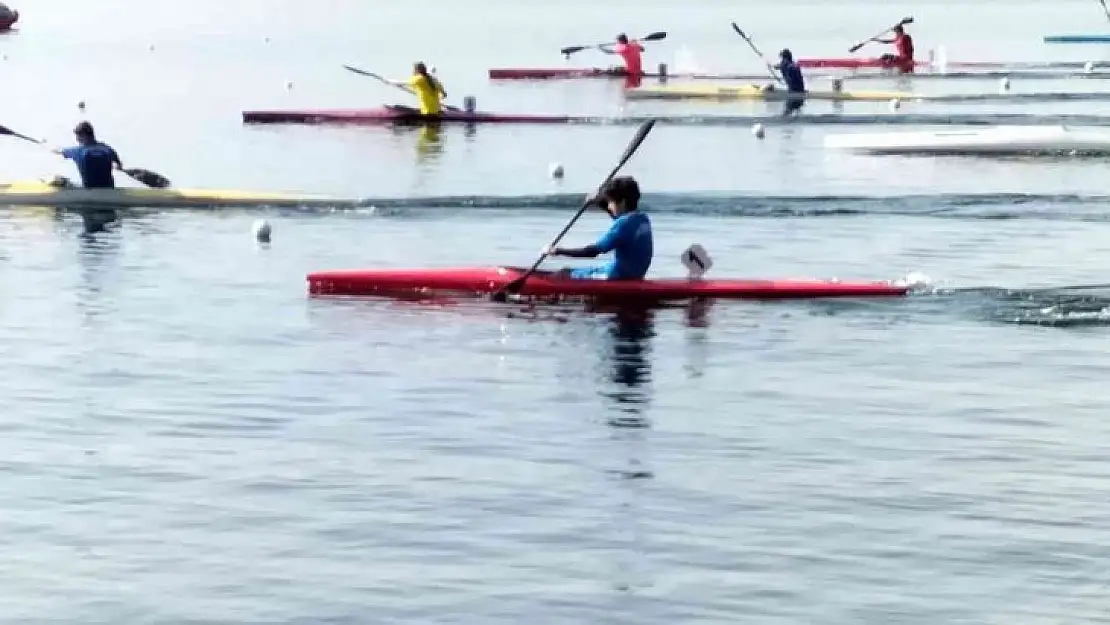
(631, 52)
(94, 159)
(629, 238)
(8, 17)
(902, 60)
(427, 89)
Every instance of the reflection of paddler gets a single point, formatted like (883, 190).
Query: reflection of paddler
(428, 90)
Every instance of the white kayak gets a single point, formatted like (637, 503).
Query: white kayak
(46, 193)
(997, 140)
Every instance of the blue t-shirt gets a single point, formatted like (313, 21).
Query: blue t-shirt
(94, 162)
(792, 76)
(629, 238)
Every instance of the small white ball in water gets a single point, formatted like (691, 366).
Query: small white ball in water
(556, 171)
(1004, 85)
(152, 46)
(289, 85)
(1089, 67)
(4, 57)
(895, 104)
(262, 231)
(266, 40)
(758, 132)
(81, 105)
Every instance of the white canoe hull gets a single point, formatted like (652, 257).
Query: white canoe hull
(39, 193)
(998, 140)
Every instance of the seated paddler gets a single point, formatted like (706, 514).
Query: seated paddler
(629, 237)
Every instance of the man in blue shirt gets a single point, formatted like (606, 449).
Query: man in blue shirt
(94, 159)
(629, 238)
(795, 82)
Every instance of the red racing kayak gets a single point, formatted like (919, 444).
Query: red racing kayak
(385, 115)
(484, 280)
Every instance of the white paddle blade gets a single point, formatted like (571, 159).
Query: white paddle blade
(697, 261)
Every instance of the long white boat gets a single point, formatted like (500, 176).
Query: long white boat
(47, 193)
(999, 140)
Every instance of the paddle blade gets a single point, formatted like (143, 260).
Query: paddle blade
(906, 20)
(856, 47)
(655, 36)
(147, 177)
(571, 50)
(4, 130)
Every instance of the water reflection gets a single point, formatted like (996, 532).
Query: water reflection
(629, 331)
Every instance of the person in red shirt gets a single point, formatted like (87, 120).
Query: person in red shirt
(631, 52)
(902, 60)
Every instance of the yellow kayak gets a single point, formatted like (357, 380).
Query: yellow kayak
(754, 92)
(46, 193)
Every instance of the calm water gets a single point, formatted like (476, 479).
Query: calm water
(189, 438)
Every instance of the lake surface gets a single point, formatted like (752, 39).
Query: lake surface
(190, 438)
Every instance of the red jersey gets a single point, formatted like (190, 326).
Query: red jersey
(903, 45)
(631, 53)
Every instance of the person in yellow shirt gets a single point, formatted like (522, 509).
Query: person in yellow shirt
(427, 89)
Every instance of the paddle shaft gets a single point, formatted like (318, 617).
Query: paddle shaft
(1104, 9)
(770, 68)
(656, 36)
(391, 83)
(634, 145)
(855, 48)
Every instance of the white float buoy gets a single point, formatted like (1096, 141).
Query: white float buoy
(758, 132)
(262, 231)
(152, 47)
(1005, 84)
(289, 85)
(1089, 67)
(895, 104)
(556, 171)
(81, 105)
(266, 40)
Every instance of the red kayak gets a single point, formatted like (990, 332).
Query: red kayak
(482, 280)
(386, 115)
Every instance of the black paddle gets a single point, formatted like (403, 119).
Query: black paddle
(144, 176)
(516, 285)
(1104, 9)
(572, 49)
(770, 68)
(905, 20)
(389, 82)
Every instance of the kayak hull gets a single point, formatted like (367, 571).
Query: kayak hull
(1091, 38)
(754, 92)
(485, 280)
(1001, 140)
(40, 193)
(385, 115)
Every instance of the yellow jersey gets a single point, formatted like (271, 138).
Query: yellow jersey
(428, 92)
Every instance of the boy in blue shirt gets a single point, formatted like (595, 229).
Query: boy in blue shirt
(629, 238)
(94, 159)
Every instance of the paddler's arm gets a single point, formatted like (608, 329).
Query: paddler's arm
(607, 48)
(883, 40)
(590, 251)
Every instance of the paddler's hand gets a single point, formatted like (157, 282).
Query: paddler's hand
(550, 250)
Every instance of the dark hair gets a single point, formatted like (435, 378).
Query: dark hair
(84, 129)
(623, 188)
(422, 69)
(622, 38)
(787, 54)
(899, 29)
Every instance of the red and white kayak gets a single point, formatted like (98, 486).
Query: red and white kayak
(386, 115)
(484, 280)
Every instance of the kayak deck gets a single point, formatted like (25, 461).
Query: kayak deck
(385, 115)
(484, 280)
(754, 92)
(42, 193)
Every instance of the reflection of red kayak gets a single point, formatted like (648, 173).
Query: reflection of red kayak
(6, 21)
(480, 280)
